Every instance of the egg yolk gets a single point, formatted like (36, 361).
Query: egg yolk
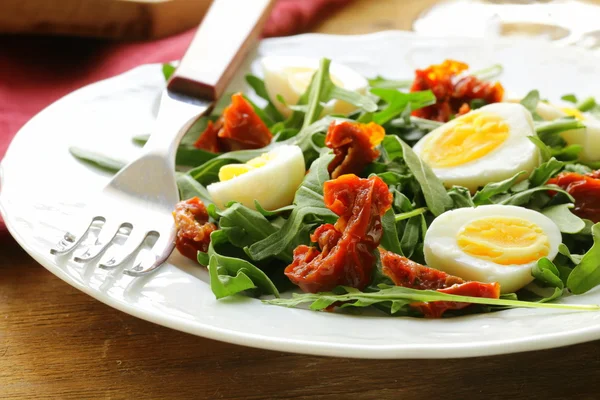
(504, 240)
(471, 137)
(300, 77)
(573, 112)
(230, 171)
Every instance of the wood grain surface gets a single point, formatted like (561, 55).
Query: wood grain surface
(58, 343)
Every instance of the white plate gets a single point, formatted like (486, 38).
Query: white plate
(43, 187)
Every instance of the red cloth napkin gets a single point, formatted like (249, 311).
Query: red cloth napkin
(36, 71)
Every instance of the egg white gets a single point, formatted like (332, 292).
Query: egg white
(274, 185)
(588, 137)
(279, 81)
(517, 153)
(442, 251)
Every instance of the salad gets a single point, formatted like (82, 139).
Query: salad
(436, 196)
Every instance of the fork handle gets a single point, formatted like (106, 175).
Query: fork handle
(219, 47)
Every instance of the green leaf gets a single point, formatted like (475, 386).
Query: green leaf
(574, 258)
(258, 85)
(436, 197)
(410, 214)
(571, 98)
(398, 101)
(492, 189)
(586, 105)
(530, 101)
(488, 73)
(410, 236)
(389, 240)
(567, 153)
(189, 187)
(545, 151)
(381, 82)
(546, 272)
(96, 159)
(547, 170)
(167, 70)
(388, 294)
(244, 226)
(562, 216)
(230, 275)
(586, 275)
(322, 89)
(461, 197)
(523, 197)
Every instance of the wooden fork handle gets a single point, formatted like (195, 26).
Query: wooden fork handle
(222, 41)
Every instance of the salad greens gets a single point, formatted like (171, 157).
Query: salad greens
(250, 250)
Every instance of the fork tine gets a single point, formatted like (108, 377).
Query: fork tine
(70, 241)
(117, 256)
(107, 235)
(148, 261)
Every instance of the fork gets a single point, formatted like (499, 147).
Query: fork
(138, 201)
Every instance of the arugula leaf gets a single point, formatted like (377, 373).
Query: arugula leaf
(309, 202)
(410, 237)
(189, 187)
(568, 153)
(586, 275)
(571, 98)
(436, 197)
(98, 160)
(389, 240)
(230, 275)
(488, 73)
(523, 197)
(322, 89)
(530, 101)
(546, 272)
(562, 216)
(258, 85)
(574, 258)
(492, 189)
(398, 101)
(410, 214)
(244, 226)
(388, 294)
(545, 151)
(586, 105)
(381, 82)
(461, 197)
(167, 70)
(545, 171)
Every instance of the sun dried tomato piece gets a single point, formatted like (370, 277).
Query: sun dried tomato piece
(238, 128)
(585, 189)
(353, 144)
(453, 92)
(407, 273)
(346, 256)
(193, 228)
(209, 139)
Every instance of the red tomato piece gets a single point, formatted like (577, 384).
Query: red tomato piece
(586, 191)
(239, 128)
(346, 255)
(353, 144)
(407, 273)
(193, 228)
(453, 92)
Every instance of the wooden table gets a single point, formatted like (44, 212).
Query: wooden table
(58, 343)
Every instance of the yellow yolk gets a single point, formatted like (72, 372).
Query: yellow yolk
(230, 171)
(573, 112)
(504, 240)
(299, 78)
(472, 136)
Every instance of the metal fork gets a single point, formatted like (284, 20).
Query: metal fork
(139, 200)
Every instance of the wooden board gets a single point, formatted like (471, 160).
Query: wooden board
(114, 19)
